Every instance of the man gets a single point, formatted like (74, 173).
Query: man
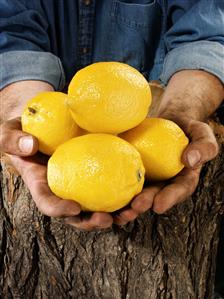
(43, 44)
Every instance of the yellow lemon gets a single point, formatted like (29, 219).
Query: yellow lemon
(161, 143)
(101, 172)
(48, 118)
(109, 97)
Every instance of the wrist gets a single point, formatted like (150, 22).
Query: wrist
(15, 96)
(192, 95)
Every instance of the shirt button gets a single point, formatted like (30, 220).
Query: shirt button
(85, 50)
(87, 2)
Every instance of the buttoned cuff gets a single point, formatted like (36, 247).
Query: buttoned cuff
(31, 65)
(201, 55)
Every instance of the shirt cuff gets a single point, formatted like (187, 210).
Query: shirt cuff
(31, 65)
(200, 55)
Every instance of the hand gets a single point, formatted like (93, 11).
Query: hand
(189, 96)
(23, 152)
(160, 197)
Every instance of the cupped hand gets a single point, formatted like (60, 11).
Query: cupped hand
(160, 197)
(23, 152)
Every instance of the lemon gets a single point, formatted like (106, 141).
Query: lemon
(161, 143)
(109, 97)
(48, 118)
(101, 172)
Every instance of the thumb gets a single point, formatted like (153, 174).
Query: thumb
(14, 141)
(203, 146)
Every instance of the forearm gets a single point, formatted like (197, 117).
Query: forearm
(14, 97)
(191, 94)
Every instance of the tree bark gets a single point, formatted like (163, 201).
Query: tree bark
(167, 256)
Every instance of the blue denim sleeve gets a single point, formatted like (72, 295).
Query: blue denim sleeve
(25, 46)
(195, 39)
(31, 65)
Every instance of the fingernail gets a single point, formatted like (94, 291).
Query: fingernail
(26, 144)
(193, 157)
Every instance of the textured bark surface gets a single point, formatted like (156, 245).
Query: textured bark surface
(167, 256)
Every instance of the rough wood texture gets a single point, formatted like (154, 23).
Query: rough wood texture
(168, 256)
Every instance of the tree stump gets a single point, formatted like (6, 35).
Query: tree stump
(155, 257)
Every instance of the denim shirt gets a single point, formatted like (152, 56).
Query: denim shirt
(49, 40)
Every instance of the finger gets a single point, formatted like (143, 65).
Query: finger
(125, 216)
(180, 188)
(35, 178)
(53, 206)
(143, 201)
(203, 146)
(49, 204)
(140, 204)
(14, 141)
(97, 220)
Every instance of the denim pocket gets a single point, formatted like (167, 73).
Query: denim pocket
(134, 13)
(135, 31)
